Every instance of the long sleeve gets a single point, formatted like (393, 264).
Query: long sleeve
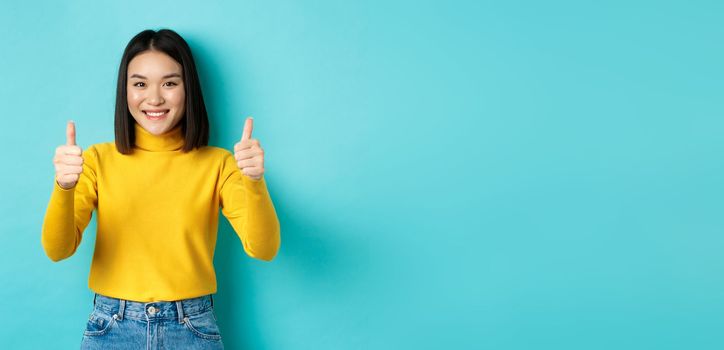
(246, 203)
(69, 211)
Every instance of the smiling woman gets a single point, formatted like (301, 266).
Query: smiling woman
(156, 75)
(160, 159)
(155, 97)
(155, 91)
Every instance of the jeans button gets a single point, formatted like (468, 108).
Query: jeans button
(151, 310)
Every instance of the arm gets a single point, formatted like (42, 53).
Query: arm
(246, 203)
(69, 211)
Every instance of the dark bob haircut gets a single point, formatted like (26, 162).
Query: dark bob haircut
(195, 122)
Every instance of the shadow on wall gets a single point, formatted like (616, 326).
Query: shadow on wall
(311, 258)
(314, 256)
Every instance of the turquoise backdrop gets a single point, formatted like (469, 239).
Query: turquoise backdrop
(447, 174)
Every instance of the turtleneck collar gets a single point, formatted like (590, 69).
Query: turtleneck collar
(172, 140)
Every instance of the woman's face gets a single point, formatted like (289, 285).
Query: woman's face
(156, 94)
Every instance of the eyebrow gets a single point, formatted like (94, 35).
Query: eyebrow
(172, 75)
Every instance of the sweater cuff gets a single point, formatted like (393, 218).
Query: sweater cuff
(61, 194)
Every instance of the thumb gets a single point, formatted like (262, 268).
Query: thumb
(248, 126)
(70, 133)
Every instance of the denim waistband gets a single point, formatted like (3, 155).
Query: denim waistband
(159, 310)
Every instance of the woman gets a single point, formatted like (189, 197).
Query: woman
(157, 191)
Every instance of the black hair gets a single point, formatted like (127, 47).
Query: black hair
(195, 122)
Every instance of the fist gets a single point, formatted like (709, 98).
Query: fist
(68, 160)
(248, 153)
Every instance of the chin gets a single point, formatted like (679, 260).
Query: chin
(155, 127)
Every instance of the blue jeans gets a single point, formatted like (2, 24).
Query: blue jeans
(124, 324)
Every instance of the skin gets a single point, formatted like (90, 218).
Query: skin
(68, 161)
(248, 153)
(155, 83)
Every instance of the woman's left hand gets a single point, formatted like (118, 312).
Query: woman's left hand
(249, 154)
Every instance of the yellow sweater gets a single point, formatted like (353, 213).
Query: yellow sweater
(157, 212)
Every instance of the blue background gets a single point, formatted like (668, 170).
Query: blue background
(461, 175)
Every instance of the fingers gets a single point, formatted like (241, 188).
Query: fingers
(69, 150)
(253, 172)
(249, 158)
(64, 169)
(68, 160)
(68, 180)
(246, 144)
(67, 170)
(247, 163)
(248, 153)
(64, 160)
(70, 133)
(248, 126)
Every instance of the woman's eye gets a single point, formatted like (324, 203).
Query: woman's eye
(170, 83)
(139, 84)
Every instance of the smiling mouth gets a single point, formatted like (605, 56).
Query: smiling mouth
(157, 114)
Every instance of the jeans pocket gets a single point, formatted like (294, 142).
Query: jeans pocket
(99, 323)
(203, 325)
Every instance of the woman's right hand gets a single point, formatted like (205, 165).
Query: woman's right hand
(68, 160)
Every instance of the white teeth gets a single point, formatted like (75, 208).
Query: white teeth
(157, 114)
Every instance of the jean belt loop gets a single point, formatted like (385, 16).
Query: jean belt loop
(121, 309)
(180, 310)
(212, 300)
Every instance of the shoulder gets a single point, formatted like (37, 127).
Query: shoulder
(101, 148)
(213, 156)
(217, 158)
(213, 152)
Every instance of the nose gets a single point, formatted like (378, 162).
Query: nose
(154, 97)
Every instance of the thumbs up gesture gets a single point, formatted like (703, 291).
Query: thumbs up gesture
(68, 160)
(248, 153)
